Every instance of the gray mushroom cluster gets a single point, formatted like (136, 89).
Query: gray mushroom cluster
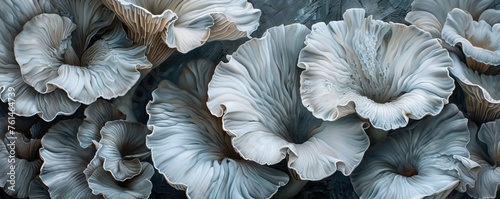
(235, 103)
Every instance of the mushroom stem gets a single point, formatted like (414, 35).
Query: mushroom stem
(125, 104)
(376, 135)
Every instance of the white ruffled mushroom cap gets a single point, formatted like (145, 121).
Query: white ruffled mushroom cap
(385, 72)
(481, 92)
(430, 15)
(262, 111)
(65, 161)
(28, 101)
(479, 41)
(49, 57)
(193, 152)
(428, 158)
(123, 146)
(184, 25)
(22, 153)
(96, 116)
(484, 149)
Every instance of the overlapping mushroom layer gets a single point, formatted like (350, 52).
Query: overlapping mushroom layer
(385, 72)
(484, 148)
(191, 149)
(262, 111)
(428, 158)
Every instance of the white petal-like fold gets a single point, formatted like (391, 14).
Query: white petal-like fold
(193, 152)
(65, 161)
(374, 68)
(479, 40)
(428, 158)
(96, 116)
(267, 119)
(123, 148)
(430, 15)
(102, 182)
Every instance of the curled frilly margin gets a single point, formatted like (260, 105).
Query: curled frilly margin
(427, 159)
(96, 116)
(123, 147)
(387, 73)
(479, 40)
(262, 111)
(184, 25)
(183, 127)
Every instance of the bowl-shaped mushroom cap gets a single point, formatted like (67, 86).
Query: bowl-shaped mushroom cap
(430, 15)
(262, 111)
(479, 40)
(384, 72)
(102, 182)
(65, 161)
(193, 152)
(28, 101)
(123, 146)
(427, 158)
(484, 149)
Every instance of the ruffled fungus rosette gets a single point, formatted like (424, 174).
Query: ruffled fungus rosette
(484, 149)
(426, 159)
(262, 111)
(64, 161)
(193, 152)
(184, 25)
(51, 60)
(96, 116)
(103, 182)
(28, 101)
(122, 148)
(22, 153)
(481, 92)
(430, 15)
(387, 73)
(479, 40)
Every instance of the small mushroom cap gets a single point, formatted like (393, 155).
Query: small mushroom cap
(263, 112)
(103, 182)
(38, 190)
(193, 152)
(65, 161)
(385, 72)
(96, 116)
(488, 179)
(428, 158)
(123, 146)
(430, 15)
(479, 40)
